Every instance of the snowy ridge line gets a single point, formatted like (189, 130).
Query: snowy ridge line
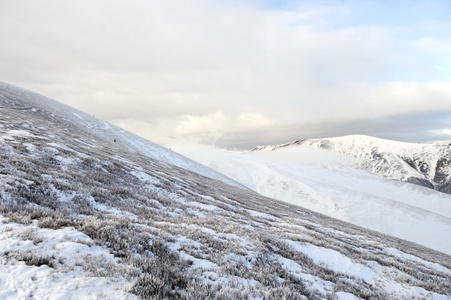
(111, 134)
(427, 165)
(167, 232)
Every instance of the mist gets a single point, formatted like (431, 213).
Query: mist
(228, 162)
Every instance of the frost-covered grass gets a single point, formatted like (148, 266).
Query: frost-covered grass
(56, 264)
(85, 219)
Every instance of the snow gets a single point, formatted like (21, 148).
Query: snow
(314, 283)
(68, 279)
(202, 206)
(371, 273)
(59, 146)
(145, 177)
(383, 157)
(200, 263)
(65, 162)
(404, 256)
(30, 147)
(254, 213)
(346, 296)
(335, 261)
(19, 133)
(332, 184)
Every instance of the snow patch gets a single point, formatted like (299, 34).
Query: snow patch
(335, 261)
(66, 249)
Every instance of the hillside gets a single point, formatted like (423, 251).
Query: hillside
(427, 165)
(78, 121)
(86, 218)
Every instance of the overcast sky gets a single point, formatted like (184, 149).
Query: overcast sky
(239, 73)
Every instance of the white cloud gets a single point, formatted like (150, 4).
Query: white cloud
(194, 127)
(204, 69)
(445, 132)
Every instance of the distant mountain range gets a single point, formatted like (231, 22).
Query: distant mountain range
(428, 165)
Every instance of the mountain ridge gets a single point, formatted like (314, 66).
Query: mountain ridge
(428, 165)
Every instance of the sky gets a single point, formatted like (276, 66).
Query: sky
(237, 74)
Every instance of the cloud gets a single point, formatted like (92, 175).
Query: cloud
(444, 132)
(228, 71)
(244, 133)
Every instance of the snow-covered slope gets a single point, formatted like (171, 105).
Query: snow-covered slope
(89, 125)
(82, 218)
(331, 184)
(423, 164)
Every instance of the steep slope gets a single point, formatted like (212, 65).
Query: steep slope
(86, 218)
(331, 184)
(427, 165)
(81, 122)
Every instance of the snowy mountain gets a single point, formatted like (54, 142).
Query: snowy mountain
(427, 165)
(332, 184)
(85, 218)
(81, 122)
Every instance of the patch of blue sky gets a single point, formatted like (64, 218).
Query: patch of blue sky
(419, 31)
(409, 17)
(445, 71)
(279, 4)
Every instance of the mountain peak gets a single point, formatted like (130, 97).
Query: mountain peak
(428, 165)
